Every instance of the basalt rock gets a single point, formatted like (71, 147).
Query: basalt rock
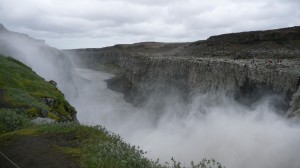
(279, 36)
(53, 83)
(40, 121)
(245, 65)
(64, 111)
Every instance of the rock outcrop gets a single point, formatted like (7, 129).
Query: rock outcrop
(246, 65)
(279, 36)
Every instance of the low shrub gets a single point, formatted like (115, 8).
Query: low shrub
(113, 154)
(11, 119)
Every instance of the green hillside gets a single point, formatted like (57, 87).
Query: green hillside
(23, 90)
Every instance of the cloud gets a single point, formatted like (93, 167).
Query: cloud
(125, 21)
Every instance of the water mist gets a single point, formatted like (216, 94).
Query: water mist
(212, 126)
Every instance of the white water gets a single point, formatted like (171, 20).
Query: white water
(210, 126)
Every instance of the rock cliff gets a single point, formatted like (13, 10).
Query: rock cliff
(245, 65)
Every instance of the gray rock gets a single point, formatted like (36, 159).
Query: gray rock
(212, 75)
(39, 121)
(247, 64)
(52, 82)
(44, 113)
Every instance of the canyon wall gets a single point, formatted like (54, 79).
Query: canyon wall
(246, 66)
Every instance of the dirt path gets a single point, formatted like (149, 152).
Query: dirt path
(39, 152)
(3, 104)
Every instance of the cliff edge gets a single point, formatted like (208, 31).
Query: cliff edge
(23, 92)
(246, 65)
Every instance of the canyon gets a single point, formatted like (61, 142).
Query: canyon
(232, 97)
(246, 65)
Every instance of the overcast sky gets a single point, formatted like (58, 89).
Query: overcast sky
(98, 23)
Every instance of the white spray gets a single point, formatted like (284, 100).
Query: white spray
(210, 126)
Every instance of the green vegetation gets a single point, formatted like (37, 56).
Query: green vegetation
(75, 152)
(24, 95)
(98, 148)
(11, 120)
(21, 88)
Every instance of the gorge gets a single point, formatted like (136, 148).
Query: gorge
(247, 65)
(232, 97)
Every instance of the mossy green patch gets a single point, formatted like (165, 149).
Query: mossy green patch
(21, 98)
(53, 116)
(33, 112)
(23, 88)
(56, 128)
(26, 131)
(7, 138)
(75, 152)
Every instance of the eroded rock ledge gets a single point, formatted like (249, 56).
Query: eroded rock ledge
(247, 65)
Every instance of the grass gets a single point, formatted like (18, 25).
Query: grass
(23, 88)
(21, 98)
(99, 148)
(95, 146)
(74, 152)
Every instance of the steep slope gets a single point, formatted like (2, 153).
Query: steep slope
(24, 96)
(48, 62)
(24, 91)
(246, 65)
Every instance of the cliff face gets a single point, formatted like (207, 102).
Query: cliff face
(246, 65)
(241, 78)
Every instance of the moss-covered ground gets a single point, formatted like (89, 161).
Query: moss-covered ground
(21, 88)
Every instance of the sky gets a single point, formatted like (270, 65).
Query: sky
(66, 24)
